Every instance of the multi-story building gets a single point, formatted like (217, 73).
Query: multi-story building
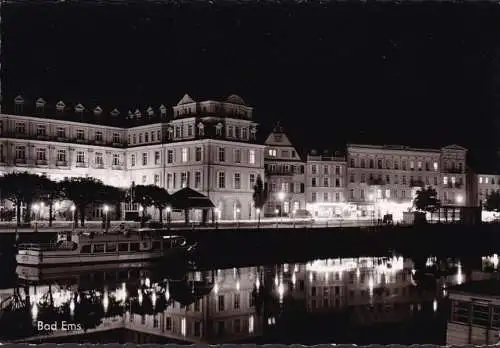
(209, 146)
(325, 186)
(285, 174)
(384, 179)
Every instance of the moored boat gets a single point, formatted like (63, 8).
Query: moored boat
(87, 248)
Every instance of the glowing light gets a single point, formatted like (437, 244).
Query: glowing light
(257, 211)
(257, 283)
(216, 288)
(72, 308)
(72, 208)
(492, 260)
(431, 261)
(141, 208)
(34, 311)
(434, 305)
(153, 298)
(105, 301)
(370, 285)
(276, 280)
(276, 211)
(167, 294)
(147, 282)
(183, 326)
(390, 265)
(310, 277)
(168, 209)
(460, 276)
(358, 272)
(326, 277)
(105, 208)
(459, 199)
(294, 279)
(250, 324)
(78, 298)
(140, 297)
(35, 208)
(296, 268)
(281, 292)
(57, 205)
(237, 285)
(281, 195)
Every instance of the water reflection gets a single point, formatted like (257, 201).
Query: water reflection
(234, 304)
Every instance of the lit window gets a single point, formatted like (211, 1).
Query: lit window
(251, 157)
(184, 155)
(453, 180)
(480, 179)
(445, 180)
(183, 326)
(272, 152)
(486, 180)
(250, 324)
(435, 166)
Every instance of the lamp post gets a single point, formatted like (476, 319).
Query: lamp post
(73, 209)
(106, 210)
(258, 217)
(238, 217)
(276, 212)
(371, 197)
(217, 216)
(293, 216)
(141, 212)
(169, 210)
(36, 209)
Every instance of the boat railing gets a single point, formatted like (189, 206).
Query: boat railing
(40, 246)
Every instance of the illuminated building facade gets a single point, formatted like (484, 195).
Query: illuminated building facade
(325, 186)
(285, 174)
(209, 146)
(384, 179)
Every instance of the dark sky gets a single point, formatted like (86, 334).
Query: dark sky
(413, 73)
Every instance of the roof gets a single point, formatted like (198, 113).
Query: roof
(187, 198)
(235, 99)
(186, 99)
(489, 287)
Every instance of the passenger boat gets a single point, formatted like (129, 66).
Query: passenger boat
(88, 247)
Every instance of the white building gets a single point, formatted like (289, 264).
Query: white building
(285, 174)
(325, 185)
(384, 179)
(209, 146)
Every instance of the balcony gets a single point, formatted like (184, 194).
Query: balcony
(81, 165)
(117, 167)
(41, 162)
(20, 160)
(42, 137)
(417, 183)
(99, 166)
(279, 173)
(61, 163)
(81, 141)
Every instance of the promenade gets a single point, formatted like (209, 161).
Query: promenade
(43, 226)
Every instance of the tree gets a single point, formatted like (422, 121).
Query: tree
(49, 191)
(143, 195)
(492, 202)
(426, 200)
(260, 196)
(20, 188)
(160, 199)
(82, 192)
(112, 195)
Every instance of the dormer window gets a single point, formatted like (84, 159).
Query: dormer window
(150, 112)
(170, 132)
(18, 104)
(41, 130)
(40, 104)
(79, 108)
(137, 113)
(97, 111)
(80, 134)
(230, 132)
(253, 132)
(115, 113)
(60, 106)
(190, 130)
(244, 133)
(218, 129)
(130, 115)
(98, 136)
(163, 110)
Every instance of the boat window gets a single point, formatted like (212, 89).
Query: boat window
(134, 246)
(111, 247)
(480, 314)
(156, 245)
(85, 249)
(460, 312)
(123, 247)
(98, 248)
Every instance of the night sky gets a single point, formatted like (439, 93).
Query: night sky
(420, 74)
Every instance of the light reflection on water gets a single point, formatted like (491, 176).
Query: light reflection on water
(235, 304)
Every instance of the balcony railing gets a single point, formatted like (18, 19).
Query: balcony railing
(455, 185)
(417, 183)
(375, 182)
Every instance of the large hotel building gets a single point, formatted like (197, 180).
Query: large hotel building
(212, 147)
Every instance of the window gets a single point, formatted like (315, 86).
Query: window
(251, 181)
(170, 156)
(132, 160)
(325, 182)
(445, 180)
(61, 132)
(325, 196)
(116, 138)
(272, 152)
(337, 196)
(116, 159)
(144, 159)
(61, 156)
(168, 324)
(20, 128)
(379, 164)
(435, 166)
(190, 130)
(41, 130)
(221, 180)
(236, 301)
(237, 156)
(178, 132)
(220, 303)
(169, 181)
(157, 157)
(244, 133)
(144, 179)
(184, 154)
(158, 135)
(146, 137)
(313, 197)
(98, 159)
(134, 139)
(197, 154)
(197, 179)
(337, 170)
(480, 314)
(184, 179)
(313, 182)
(314, 169)
(412, 165)
(41, 154)
(222, 154)
(237, 181)
(152, 136)
(140, 138)
(80, 134)
(197, 329)
(80, 157)
(156, 179)
(98, 136)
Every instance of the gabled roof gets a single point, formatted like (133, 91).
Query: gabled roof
(40, 102)
(115, 112)
(60, 105)
(278, 137)
(186, 100)
(19, 100)
(97, 110)
(79, 108)
(163, 109)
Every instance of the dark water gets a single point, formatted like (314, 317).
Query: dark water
(358, 300)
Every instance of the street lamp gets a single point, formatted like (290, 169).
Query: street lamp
(36, 209)
(106, 209)
(293, 215)
(371, 198)
(281, 198)
(258, 217)
(276, 212)
(73, 209)
(168, 210)
(141, 211)
(459, 199)
(217, 216)
(238, 217)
